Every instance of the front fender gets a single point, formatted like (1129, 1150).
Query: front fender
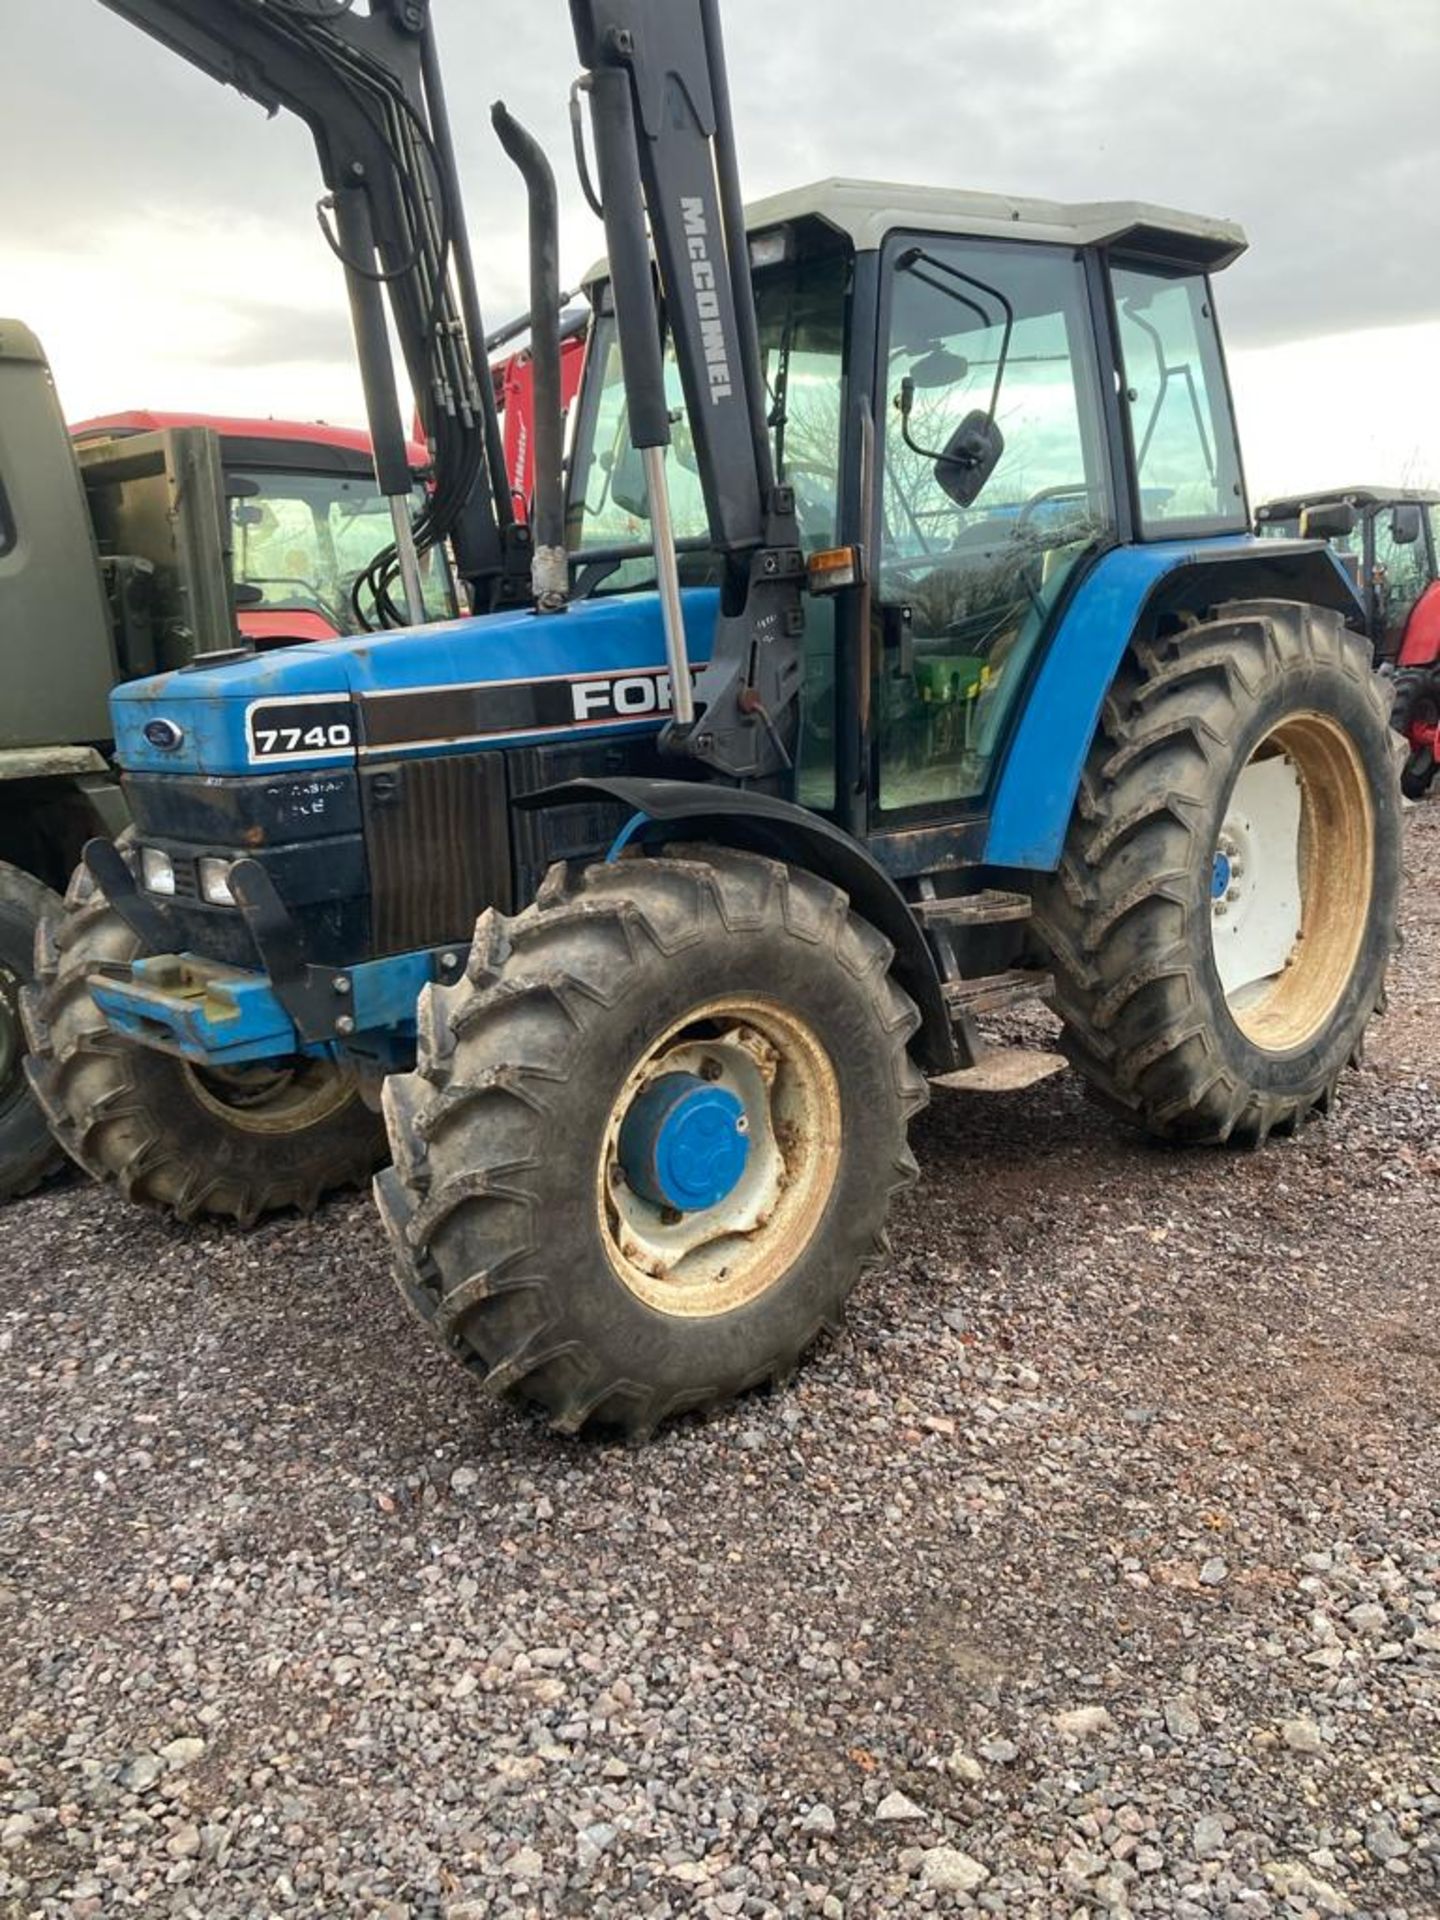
(759, 824)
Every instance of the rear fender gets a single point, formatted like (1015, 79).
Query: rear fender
(1127, 592)
(757, 823)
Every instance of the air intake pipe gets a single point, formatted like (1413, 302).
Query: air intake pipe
(550, 567)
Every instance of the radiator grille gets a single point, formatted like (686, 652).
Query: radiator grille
(436, 836)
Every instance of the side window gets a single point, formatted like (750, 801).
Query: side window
(1402, 567)
(7, 522)
(802, 311)
(978, 329)
(1186, 458)
(276, 547)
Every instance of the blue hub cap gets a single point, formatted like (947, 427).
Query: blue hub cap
(1220, 877)
(684, 1143)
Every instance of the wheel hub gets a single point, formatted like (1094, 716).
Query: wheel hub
(684, 1143)
(718, 1157)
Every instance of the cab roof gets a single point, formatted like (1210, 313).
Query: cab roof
(1291, 505)
(288, 443)
(866, 210)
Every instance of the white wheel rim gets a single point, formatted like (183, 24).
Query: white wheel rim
(1256, 908)
(1291, 882)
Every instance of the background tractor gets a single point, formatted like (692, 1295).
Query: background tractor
(1390, 538)
(899, 652)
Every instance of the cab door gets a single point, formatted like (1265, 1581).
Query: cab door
(967, 579)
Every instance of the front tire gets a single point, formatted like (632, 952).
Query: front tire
(531, 1235)
(28, 1152)
(1225, 909)
(235, 1145)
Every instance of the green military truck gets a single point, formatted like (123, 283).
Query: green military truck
(129, 548)
(113, 562)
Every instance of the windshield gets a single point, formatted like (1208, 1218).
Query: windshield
(801, 312)
(302, 540)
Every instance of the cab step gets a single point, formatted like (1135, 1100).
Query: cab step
(1004, 1070)
(989, 909)
(993, 992)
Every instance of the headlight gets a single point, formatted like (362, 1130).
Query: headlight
(157, 870)
(215, 882)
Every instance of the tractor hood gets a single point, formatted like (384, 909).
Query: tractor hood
(502, 679)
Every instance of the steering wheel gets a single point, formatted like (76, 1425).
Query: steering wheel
(304, 591)
(1075, 490)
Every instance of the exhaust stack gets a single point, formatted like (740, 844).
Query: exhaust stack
(550, 566)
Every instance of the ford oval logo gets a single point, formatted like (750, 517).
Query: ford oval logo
(165, 735)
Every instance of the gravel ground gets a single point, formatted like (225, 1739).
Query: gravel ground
(1096, 1568)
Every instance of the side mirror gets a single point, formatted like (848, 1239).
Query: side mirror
(1335, 520)
(1405, 523)
(971, 456)
(938, 370)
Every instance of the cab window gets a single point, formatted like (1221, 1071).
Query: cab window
(1187, 461)
(995, 333)
(1402, 563)
(302, 541)
(801, 308)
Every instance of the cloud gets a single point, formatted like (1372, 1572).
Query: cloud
(1312, 121)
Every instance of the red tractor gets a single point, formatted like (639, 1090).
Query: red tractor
(306, 520)
(1390, 536)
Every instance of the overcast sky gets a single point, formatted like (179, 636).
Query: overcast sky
(159, 233)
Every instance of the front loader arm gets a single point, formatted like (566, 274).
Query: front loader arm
(665, 147)
(367, 85)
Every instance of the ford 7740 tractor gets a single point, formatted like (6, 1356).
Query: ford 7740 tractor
(911, 657)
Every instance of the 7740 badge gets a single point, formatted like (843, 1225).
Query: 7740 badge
(313, 727)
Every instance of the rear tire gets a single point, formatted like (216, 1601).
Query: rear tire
(236, 1145)
(28, 1151)
(1415, 716)
(1132, 921)
(521, 1241)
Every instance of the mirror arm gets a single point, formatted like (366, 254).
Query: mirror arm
(933, 261)
(906, 405)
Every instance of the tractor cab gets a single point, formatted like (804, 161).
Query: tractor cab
(306, 520)
(980, 398)
(1390, 538)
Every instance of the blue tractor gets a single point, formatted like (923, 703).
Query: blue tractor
(898, 652)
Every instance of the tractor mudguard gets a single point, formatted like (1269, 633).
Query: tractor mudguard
(1041, 775)
(761, 824)
(1421, 645)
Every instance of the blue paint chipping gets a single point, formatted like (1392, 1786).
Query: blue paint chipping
(1220, 875)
